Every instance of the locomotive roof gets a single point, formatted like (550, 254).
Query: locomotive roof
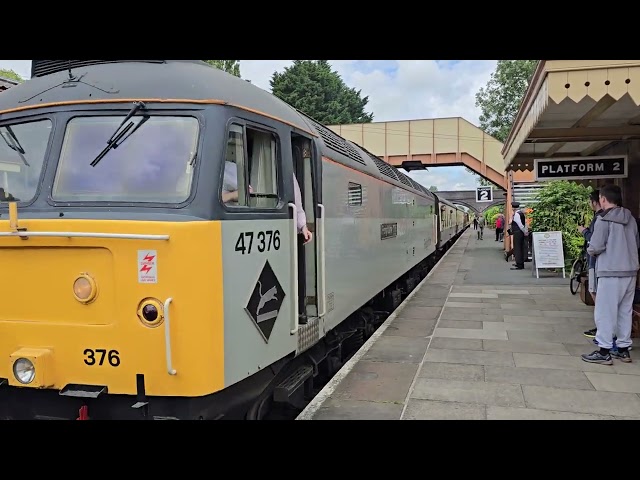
(182, 79)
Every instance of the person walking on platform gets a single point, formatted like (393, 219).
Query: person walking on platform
(614, 242)
(519, 233)
(475, 223)
(480, 227)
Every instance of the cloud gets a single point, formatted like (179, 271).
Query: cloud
(397, 90)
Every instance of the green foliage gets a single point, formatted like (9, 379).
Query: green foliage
(562, 206)
(10, 75)
(313, 88)
(491, 214)
(500, 99)
(433, 188)
(229, 66)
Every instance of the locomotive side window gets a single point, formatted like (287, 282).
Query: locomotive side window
(250, 169)
(22, 150)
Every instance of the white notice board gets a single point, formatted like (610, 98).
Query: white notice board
(547, 251)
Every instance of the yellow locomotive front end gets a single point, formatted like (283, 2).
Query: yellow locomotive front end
(111, 303)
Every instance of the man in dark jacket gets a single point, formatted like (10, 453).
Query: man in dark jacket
(614, 242)
(594, 200)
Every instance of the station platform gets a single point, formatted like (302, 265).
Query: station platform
(476, 340)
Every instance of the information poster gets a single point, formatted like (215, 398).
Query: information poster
(547, 250)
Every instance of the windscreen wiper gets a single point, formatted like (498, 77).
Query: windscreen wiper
(14, 145)
(118, 137)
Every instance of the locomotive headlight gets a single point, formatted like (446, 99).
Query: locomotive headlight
(24, 370)
(151, 312)
(84, 288)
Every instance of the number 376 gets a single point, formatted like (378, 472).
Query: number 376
(97, 356)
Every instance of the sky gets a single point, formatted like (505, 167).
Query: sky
(397, 90)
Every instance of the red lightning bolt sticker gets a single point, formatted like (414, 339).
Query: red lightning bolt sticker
(147, 266)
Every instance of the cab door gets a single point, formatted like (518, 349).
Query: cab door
(309, 258)
(257, 241)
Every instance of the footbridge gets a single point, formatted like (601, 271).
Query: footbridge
(467, 198)
(418, 144)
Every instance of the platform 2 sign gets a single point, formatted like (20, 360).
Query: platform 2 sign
(548, 251)
(579, 168)
(484, 194)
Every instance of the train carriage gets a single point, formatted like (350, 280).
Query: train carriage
(134, 289)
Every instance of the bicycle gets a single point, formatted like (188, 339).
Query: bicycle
(579, 269)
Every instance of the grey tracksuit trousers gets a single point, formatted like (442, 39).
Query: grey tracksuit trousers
(614, 310)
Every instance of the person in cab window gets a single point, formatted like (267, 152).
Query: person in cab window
(230, 197)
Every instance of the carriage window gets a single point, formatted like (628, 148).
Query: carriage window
(22, 149)
(152, 163)
(250, 171)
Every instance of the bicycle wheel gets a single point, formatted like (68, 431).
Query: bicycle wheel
(576, 273)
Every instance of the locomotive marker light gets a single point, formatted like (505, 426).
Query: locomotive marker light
(151, 312)
(484, 194)
(85, 289)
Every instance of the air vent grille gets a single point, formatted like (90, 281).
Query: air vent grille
(40, 68)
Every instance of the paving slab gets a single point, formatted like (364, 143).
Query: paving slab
(456, 343)
(582, 401)
(343, 409)
(452, 371)
(538, 376)
(418, 409)
(525, 346)
(484, 393)
(510, 413)
(469, 357)
(612, 382)
(420, 313)
(410, 328)
(377, 382)
(397, 349)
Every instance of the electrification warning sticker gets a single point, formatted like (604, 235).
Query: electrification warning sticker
(147, 266)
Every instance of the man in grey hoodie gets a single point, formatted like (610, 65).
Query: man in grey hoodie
(614, 242)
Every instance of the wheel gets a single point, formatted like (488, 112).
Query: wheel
(576, 273)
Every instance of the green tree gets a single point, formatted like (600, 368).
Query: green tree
(229, 66)
(10, 75)
(562, 206)
(500, 98)
(313, 88)
(433, 188)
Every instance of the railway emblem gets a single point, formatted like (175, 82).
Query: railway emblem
(265, 301)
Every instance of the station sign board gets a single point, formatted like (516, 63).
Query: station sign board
(580, 168)
(484, 194)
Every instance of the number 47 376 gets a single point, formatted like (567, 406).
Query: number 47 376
(265, 241)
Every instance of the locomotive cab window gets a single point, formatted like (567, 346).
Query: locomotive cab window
(250, 176)
(153, 162)
(22, 151)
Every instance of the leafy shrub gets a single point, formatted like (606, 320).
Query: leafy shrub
(491, 214)
(562, 206)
